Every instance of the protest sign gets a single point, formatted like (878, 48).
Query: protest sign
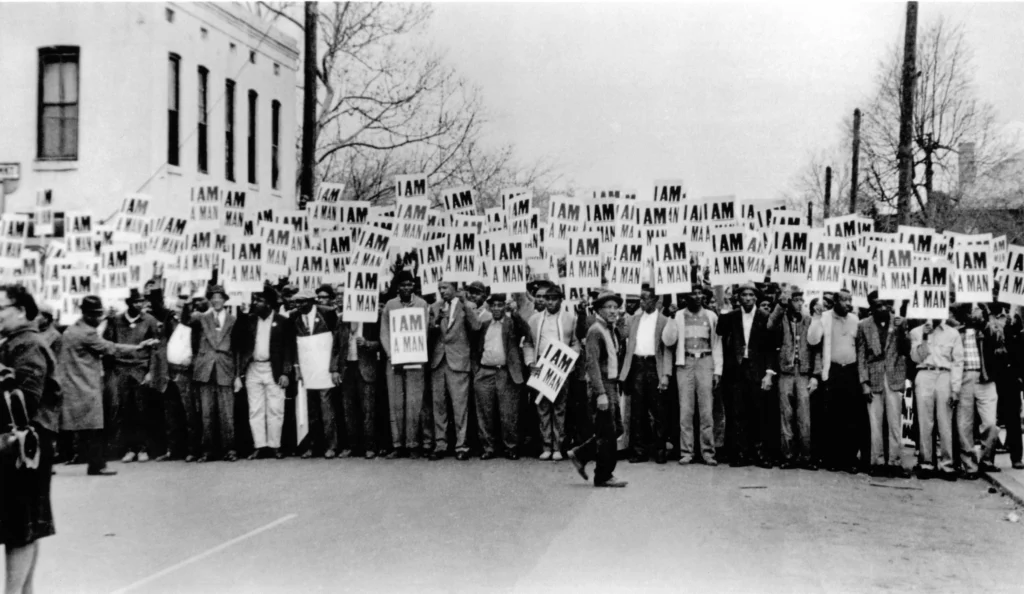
(169, 241)
(517, 215)
(857, 277)
(233, 210)
(308, 270)
(601, 218)
(626, 271)
(431, 270)
(669, 190)
(972, 276)
(729, 249)
(998, 254)
(243, 269)
(411, 186)
(564, 216)
(459, 200)
(657, 218)
(314, 354)
(852, 228)
(495, 218)
(789, 254)
(13, 233)
(204, 207)
(823, 269)
(895, 270)
(460, 255)
(920, 239)
(508, 268)
(75, 284)
(756, 258)
(408, 336)
(478, 223)
(930, 296)
(44, 213)
(554, 366)
(583, 261)
(410, 223)
(719, 211)
(132, 221)
(627, 219)
(372, 248)
(114, 272)
(362, 292)
(201, 256)
(337, 246)
(671, 265)
(760, 214)
(330, 192)
(276, 246)
(1011, 280)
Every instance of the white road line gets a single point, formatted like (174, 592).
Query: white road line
(205, 554)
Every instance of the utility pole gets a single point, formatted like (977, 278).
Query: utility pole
(855, 169)
(308, 106)
(905, 154)
(828, 192)
(810, 213)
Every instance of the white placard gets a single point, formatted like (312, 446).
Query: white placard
(930, 298)
(408, 336)
(555, 364)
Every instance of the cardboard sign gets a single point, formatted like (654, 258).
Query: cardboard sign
(518, 215)
(201, 257)
(555, 364)
(1011, 280)
(114, 272)
(362, 293)
(410, 222)
(460, 255)
(583, 261)
(75, 284)
(372, 248)
(307, 271)
(921, 240)
(13, 233)
(330, 192)
(973, 272)
(337, 246)
(169, 240)
(204, 207)
(408, 336)
(627, 217)
(930, 297)
(824, 268)
(729, 256)
(760, 214)
(495, 219)
(853, 228)
(508, 269)
(314, 353)
(233, 210)
(411, 186)
(756, 258)
(895, 271)
(658, 218)
(431, 270)
(669, 190)
(671, 266)
(626, 271)
(44, 213)
(601, 219)
(565, 216)
(719, 211)
(459, 200)
(277, 239)
(790, 249)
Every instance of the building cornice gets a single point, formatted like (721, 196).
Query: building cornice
(256, 29)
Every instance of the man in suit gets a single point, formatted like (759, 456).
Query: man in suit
(645, 373)
(845, 416)
(500, 375)
(693, 335)
(406, 383)
(309, 319)
(354, 370)
(130, 379)
(798, 366)
(451, 322)
(266, 356)
(882, 349)
(746, 353)
(213, 363)
(603, 364)
(546, 326)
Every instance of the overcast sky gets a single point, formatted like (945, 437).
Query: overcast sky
(729, 97)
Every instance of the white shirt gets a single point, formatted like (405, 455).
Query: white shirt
(449, 312)
(550, 330)
(130, 319)
(645, 335)
(220, 318)
(262, 350)
(748, 323)
(311, 320)
(353, 347)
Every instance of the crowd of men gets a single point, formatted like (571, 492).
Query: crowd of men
(755, 378)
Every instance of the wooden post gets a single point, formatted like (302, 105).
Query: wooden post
(308, 106)
(855, 168)
(828, 193)
(905, 154)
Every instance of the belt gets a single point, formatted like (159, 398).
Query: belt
(263, 361)
(644, 357)
(492, 366)
(698, 355)
(931, 368)
(843, 365)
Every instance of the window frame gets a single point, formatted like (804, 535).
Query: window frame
(174, 115)
(275, 142)
(229, 130)
(251, 153)
(202, 123)
(45, 56)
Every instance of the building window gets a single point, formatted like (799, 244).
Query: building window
(275, 137)
(277, 69)
(203, 32)
(173, 94)
(252, 56)
(232, 48)
(252, 136)
(58, 103)
(169, 14)
(229, 130)
(204, 76)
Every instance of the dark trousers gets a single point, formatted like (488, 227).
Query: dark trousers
(601, 447)
(175, 419)
(578, 421)
(647, 407)
(497, 405)
(1008, 409)
(323, 425)
(133, 409)
(90, 445)
(745, 413)
(193, 406)
(217, 404)
(845, 416)
(819, 438)
(358, 405)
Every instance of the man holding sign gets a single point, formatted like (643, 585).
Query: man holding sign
(405, 382)
(938, 351)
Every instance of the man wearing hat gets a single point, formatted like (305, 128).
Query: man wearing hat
(451, 321)
(500, 376)
(354, 362)
(603, 365)
(213, 369)
(406, 383)
(747, 349)
(798, 364)
(80, 375)
(310, 319)
(644, 373)
(266, 355)
(131, 381)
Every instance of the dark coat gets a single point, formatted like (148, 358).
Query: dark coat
(662, 355)
(369, 352)
(876, 361)
(326, 321)
(514, 332)
(781, 325)
(451, 343)
(213, 355)
(33, 365)
(138, 363)
(761, 348)
(80, 375)
(282, 344)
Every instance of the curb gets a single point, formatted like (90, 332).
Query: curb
(996, 480)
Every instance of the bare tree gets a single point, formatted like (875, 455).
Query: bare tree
(808, 185)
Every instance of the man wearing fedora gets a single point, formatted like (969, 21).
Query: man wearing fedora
(310, 319)
(266, 355)
(79, 373)
(213, 363)
(603, 365)
(130, 381)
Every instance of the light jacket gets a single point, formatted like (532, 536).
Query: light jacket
(674, 335)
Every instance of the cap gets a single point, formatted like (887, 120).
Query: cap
(304, 295)
(604, 297)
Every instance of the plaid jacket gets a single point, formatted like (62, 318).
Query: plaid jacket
(875, 362)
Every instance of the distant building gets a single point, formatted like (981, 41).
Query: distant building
(100, 100)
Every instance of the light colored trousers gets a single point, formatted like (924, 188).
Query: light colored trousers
(885, 413)
(405, 401)
(694, 381)
(975, 395)
(266, 405)
(932, 389)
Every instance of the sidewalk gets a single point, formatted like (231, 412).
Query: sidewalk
(1009, 481)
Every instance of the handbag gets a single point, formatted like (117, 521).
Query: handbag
(19, 441)
(179, 347)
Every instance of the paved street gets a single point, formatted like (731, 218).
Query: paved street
(527, 526)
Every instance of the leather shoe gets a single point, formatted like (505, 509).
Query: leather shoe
(487, 456)
(370, 455)
(512, 456)
(660, 458)
(947, 476)
(129, 457)
(279, 454)
(969, 476)
(345, 454)
(581, 467)
(254, 455)
(711, 462)
(102, 472)
(329, 454)
(163, 458)
(634, 459)
(435, 456)
(394, 454)
(231, 456)
(612, 482)
(306, 455)
(415, 454)
(899, 472)
(203, 458)
(462, 456)
(986, 467)
(190, 458)
(1018, 465)
(75, 460)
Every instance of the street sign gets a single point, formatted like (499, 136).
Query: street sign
(10, 171)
